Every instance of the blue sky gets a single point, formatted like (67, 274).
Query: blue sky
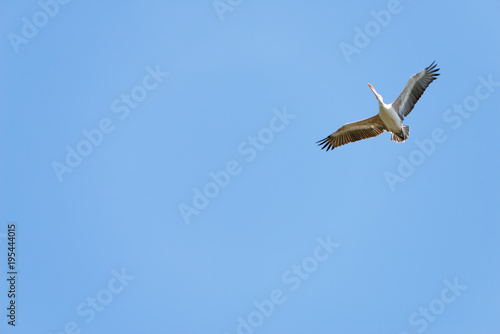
(160, 166)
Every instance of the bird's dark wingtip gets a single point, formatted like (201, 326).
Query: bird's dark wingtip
(432, 69)
(324, 143)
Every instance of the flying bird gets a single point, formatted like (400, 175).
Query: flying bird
(390, 116)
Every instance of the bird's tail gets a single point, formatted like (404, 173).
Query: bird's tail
(402, 136)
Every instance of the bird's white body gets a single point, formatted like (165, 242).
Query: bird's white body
(390, 117)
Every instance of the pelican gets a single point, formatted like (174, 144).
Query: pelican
(390, 116)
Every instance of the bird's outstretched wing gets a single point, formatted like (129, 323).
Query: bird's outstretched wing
(351, 132)
(414, 89)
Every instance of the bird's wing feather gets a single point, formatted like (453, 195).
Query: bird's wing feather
(351, 132)
(414, 89)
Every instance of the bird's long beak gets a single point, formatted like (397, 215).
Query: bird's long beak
(377, 95)
(373, 89)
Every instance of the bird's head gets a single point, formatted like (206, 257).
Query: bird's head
(377, 95)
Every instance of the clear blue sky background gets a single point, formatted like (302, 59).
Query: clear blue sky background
(118, 211)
